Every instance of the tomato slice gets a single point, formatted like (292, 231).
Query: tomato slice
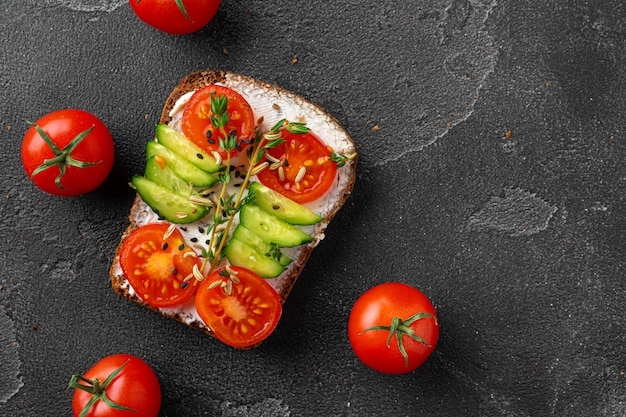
(305, 171)
(156, 261)
(241, 313)
(196, 121)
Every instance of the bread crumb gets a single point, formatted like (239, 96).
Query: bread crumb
(376, 128)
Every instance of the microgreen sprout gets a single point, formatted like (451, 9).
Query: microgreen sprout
(228, 206)
(340, 159)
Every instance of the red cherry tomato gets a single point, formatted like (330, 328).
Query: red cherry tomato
(197, 117)
(243, 311)
(130, 385)
(305, 172)
(156, 261)
(388, 319)
(68, 152)
(177, 17)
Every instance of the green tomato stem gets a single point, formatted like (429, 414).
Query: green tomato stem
(400, 328)
(62, 157)
(97, 390)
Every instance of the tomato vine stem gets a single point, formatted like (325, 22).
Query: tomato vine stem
(97, 390)
(401, 328)
(62, 157)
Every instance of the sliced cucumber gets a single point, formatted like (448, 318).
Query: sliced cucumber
(244, 235)
(179, 144)
(242, 254)
(270, 228)
(165, 203)
(281, 206)
(183, 168)
(163, 175)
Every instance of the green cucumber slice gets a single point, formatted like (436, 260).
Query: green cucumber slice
(282, 207)
(242, 254)
(244, 235)
(166, 204)
(181, 145)
(163, 175)
(270, 228)
(183, 168)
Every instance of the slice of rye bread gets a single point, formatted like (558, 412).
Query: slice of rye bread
(284, 104)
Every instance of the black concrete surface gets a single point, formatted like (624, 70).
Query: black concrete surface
(491, 176)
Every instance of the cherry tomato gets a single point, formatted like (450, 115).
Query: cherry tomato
(176, 17)
(129, 385)
(68, 152)
(393, 328)
(239, 306)
(156, 261)
(203, 112)
(305, 172)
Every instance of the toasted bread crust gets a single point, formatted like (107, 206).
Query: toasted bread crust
(343, 189)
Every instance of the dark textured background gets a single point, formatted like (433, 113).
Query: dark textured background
(518, 240)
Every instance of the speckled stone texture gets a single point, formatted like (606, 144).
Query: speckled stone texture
(491, 177)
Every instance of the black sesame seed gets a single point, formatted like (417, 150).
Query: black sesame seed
(276, 207)
(174, 271)
(201, 229)
(164, 246)
(181, 247)
(184, 229)
(207, 241)
(194, 239)
(209, 133)
(200, 156)
(211, 141)
(232, 132)
(286, 163)
(184, 285)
